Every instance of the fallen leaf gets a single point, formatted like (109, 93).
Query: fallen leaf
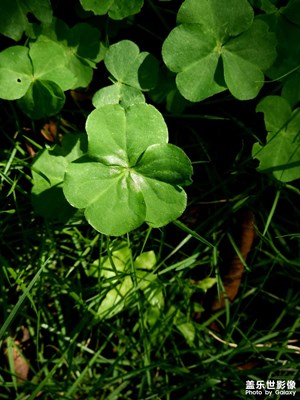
(49, 131)
(14, 354)
(232, 277)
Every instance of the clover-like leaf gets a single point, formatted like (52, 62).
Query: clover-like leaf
(27, 75)
(79, 44)
(130, 174)
(127, 65)
(115, 299)
(43, 98)
(115, 269)
(281, 154)
(217, 18)
(132, 71)
(13, 16)
(49, 62)
(48, 172)
(118, 93)
(116, 9)
(218, 46)
(185, 327)
(288, 43)
(245, 58)
(15, 72)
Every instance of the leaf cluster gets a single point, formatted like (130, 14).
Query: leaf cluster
(110, 252)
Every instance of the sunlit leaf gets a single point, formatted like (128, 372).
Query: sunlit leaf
(127, 65)
(16, 76)
(121, 183)
(36, 76)
(218, 46)
(115, 299)
(132, 73)
(281, 154)
(146, 260)
(48, 173)
(80, 45)
(118, 93)
(116, 9)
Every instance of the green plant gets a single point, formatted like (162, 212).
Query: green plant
(140, 174)
(228, 48)
(135, 137)
(281, 154)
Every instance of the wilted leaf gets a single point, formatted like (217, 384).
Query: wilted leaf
(14, 352)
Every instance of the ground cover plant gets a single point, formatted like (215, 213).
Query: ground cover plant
(150, 166)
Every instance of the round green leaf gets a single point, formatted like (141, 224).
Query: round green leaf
(119, 137)
(85, 39)
(243, 78)
(15, 72)
(48, 172)
(130, 174)
(210, 30)
(42, 99)
(86, 179)
(223, 19)
(256, 45)
(116, 60)
(80, 46)
(118, 94)
(196, 63)
(281, 154)
(288, 46)
(97, 7)
(116, 9)
(164, 202)
(50, 63)
(146, 260)
(144, 126)
(116, 298)
(112, 204)
(122, 207)
(13, 16)
(165, 163)
(106, 128)
(125, 62)
(244, 59)
(124, 8)
(277, 112)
